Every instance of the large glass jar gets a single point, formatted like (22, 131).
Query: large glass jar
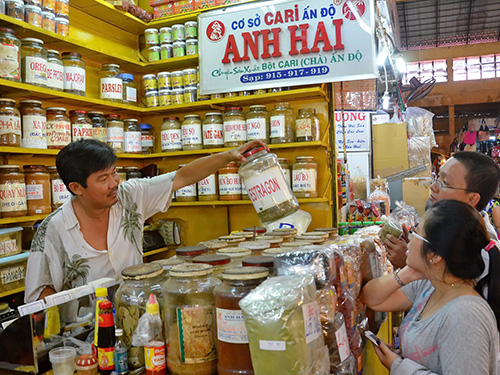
(15, 9)
(129, 89)
(147, 139)
(258, 123)
(62, 8)
(111, 83)
(9, 47)
(237, 254)
(12, 192)
(230, 182)
(282, 124)
(33, 62)
(232, 340)
(191, 133)
(132, 136)
(74, 73)
(213, 130)
(10, 123)
(305, 177)
(115, 132)
(218, 262)
(38, 198)
(81, 125)
(171, 134)
(34, 124)
(266, 185)
(285, 167)
(307, 125)
(58, 190)
(130, 302)
(207, 188)
(99, 126)
(235, 127)
(186, 193)
(55, 71)
(190, 320)
(187, 253)
(58, 128)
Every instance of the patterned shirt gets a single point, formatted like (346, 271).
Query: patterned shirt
(60, 257)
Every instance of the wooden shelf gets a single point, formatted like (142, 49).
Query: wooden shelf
(175, 63)
(21, 219)
(239, 203)
(11, 292)
(31, 151)
(157, 251)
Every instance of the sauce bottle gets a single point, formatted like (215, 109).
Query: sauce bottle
(154, 350)
(106, 339)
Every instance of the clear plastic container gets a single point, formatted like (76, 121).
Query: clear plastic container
(164, 80)
(178, 49)
(258, 123)
(152, 37)
(165, 97)
(191, 29)
(305, 177)
(49, 21)
(191, 133)
(152, 99)
(165, 35)
(154, 53)
(282, 124)
(62, 26)
(171, 139)
(15, 9)
(178, 96)
(189, 77)
(307, 125)
(177, 79)
(191, 47)
(33, 15)
(178, 32)
(166, 51)
(235, 127)
(190, 94)
(149, 83)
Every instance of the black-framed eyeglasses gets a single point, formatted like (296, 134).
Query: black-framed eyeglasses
(416, 235)
(443, 185)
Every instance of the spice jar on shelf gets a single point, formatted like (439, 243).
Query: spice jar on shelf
(48, 21)
(178, 49)
(165, 35)
(152, 37)
(304, 177)
(257, 123)
(12, 181)
(147, 139)
(62, 26)
(129, 89)
(164, 80)
(230, 182)
(10, 123)
(213, 130)
(152, 99)
(191, 133)
(282, 124)
(58, 128)
(285, 167)
(115, 132)
(166, 51)
(186, 193)
(132, 172)
(177, 79)
(62, 8)
(74, 73)
(149, 83)
(111, 83)
(191, 47)
(33, 62)
(165, 97)
(235, 127)
(49, 6)
(81, 125)
(218, 262)
(154, 53)
(34, 124)
(171, 134)
(10, 64)
(307, 125)
(191, 29)
(99, 126)
(132, 136)
(15, 9)
(55, 71)
(178, 32)
(58, 190)
(38, 198)
(207, 188)
(33, 14)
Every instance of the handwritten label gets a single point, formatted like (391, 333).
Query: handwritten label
(342, 343)
(275, 346)
(312, 323)
(12, 274)
(357, 130)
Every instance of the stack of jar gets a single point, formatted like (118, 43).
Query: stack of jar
(51, 15)
(116, 86)
(176, 41)
(169, 88)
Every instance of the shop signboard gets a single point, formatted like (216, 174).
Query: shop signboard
(282, 43)
(357, 130)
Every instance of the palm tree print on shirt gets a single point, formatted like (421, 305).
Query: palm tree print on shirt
(75, 269)
(132, 221)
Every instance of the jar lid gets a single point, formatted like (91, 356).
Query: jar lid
(148, 76)
(51, 168)
(214, 260)
(32, 40)
(46, 13)
(304, 158)
(326, 230)
(213, 114)
(168, 263)
(192, 41)
(190, 88)
(177, 26)
(259, 261)
(31, 6)
(179, 42)
(191, 250)
(127, 76)
(275, 251)
(71, 54)
(258, 106)
(8, 166)
(296, 244)
(131, 119)
(152, 93)
(56, 109)
(171, 118)
(30, 101)
(162, 74)
(283, 160)
(7, 100)
(253, 151)
(145, 126)
(86, 362)
(62, 20)
(177, 72)
(189, 71)
(191, 270)
(270, 239)
(7, 30)
(154, 47)
(165, 91)
(314, 239)
(231, 238)
(142, 271)
(235, 252)
(113, 116)
(53, 51)
(151, 30)
(245, 273)
(191, 23)
(77, 112)
(247, 235)
(165, 28)
(34, 167)
(234, 109)
(166, 45)
(256, 245)
(191, 116)
(214, 244)
(95, 113)
(111, 66)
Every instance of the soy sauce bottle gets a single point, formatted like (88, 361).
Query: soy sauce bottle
(106, 339)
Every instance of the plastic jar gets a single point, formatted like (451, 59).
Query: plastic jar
(178, 96)
(152, 99)
(111, 83)
(282, 124)
(232, 340)
(149, 83)
(191, 29)
(147, 139)
(190, 312)
(177, 78)
(58, 128)
(207, 188)
(304, 177)
(307, 125)
(186, 193)
(230, 182)
(115, 132)
(33, 62)
(190, 94)
(218, 262)
(178, 33)
(81, 125)
(191, 47)
(62, 8)
(191, 133)
(12, 182)
(33, 15)
(34, 124)
(49, 6)
(171, 134)
(235, 127)
(179, 49)
(258, 123)
(49, 21)
(266, 185)
(154, 53)
(133, 172)
(165, 35)
(166, 51)
(9, 64)
(151, 36)
(37, 181)
(213, 130)
(187, 253)
(189, 77)
(164, 80)
(99, 126)
(15, 9)
(165, 98)
(129, 89)
(74, 73)
(285, 167)
(62, 26)
(55, 71)
(10, 123)
(132, 136)
(58, 190)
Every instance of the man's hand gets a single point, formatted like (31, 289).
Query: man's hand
(385, 354)
(396, 248)
(236, 154)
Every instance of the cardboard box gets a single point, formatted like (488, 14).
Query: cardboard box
(204, 4)
(390, 136)
(183, 6)
(155, 3)
(226, 2)
(163, 10)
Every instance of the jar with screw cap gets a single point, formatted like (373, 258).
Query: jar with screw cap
(115, 132)
(147, 139)
(58, 128)
(33, 62)
(132, 136)
(9, 46)
(257, 123)
(74, 73)
(55, 71)
(307, 125)
(12, 182)
(213, 130)
(37, 189)
(81, 125)
(10, 123)
(282, 124)
(171, 139)
(304, 177)
(111, 83)
(191, 133)
(99, 126)
(34, 124)
(235, 127)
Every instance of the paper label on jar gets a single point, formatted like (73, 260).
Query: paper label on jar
(146, 141)
(235, 131)
(55, 76)
(81, 131)
(34, 131)
(115, 134)
(59, 192)
(288, 177)
(231, 326)
(342, 343)
(312, 325)
(191, 134)
(304, 180)
(171, 139)
(229, 184)
(196, 325)
(58, 133)
(8, 247)
(303, 127)
(133, 142)
(13, 274)
(277, 126)
(36, 70)
(9, 68)
(34, 191)
(100, 133)
(74, 78)
(131, 94)
(10, 124)
(213, 134)
(207, 186)
(256, 129)
(111, 88)
(12, 197)
(268, 189)
(186, 191)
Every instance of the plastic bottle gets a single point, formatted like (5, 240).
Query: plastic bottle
(106, 339)
(101, 294)
(121, 357)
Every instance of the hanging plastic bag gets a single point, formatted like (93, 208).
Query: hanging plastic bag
(358, 180)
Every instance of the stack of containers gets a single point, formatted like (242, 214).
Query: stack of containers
(176, 41)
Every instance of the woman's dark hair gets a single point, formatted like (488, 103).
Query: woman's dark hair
(78, 160)
(457, 233)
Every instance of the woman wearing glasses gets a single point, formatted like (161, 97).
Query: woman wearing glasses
(450, 328)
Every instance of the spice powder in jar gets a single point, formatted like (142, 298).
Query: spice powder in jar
(304, 177)
(230, 182)
(132, 136)
(207, 188)
(213, 130)
(307, 125)
(58, 190)
(55, 71)
(235, 127)
(186, 193)
(115, 132)
(34, 124)
(171, 134)
(10, 123)
(33, 62)
(37, 190)
(99, 126)
(74, 73)
(258, 123)
(58, 128)
(191, 133)
(282, 124)
(12, 192)
(147, 139)
(81, 125)
(111, 83)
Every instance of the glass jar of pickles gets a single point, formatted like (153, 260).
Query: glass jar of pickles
(258, 123)
(116, 132)
(230, 182)
(307, 125)
(111, 83)
(213, 130)
(171, 139)
(191, 133)
(207, 188)
(10, 123)
(282, 124)
(131, 136)
(235, 127)
(9, 64)
(304, 177)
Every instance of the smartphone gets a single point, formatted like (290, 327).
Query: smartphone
(374, 339)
